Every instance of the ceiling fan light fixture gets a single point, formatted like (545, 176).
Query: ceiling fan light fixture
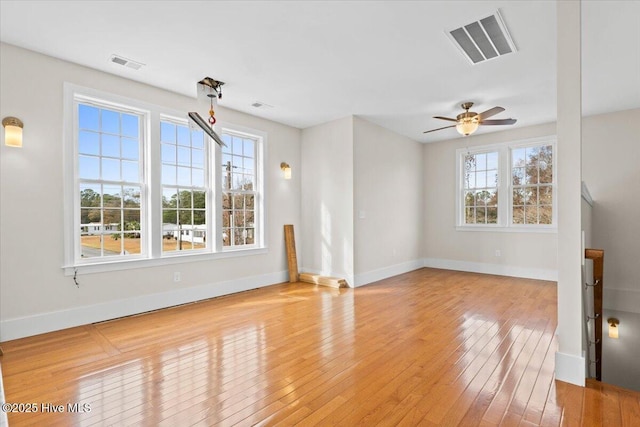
(466, 127)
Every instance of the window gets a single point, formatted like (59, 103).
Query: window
(142, 184)
(481, 188)
(110, 182)
(532, 185)
(507, 186)
(184, 187)
(238, 190)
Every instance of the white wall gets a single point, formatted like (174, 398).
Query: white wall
(611, 169)
(388, 189)
(327, 199)
(522, 254)
(35, 295)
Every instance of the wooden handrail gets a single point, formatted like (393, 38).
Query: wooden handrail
(597, 255)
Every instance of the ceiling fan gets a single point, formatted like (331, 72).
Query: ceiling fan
(468, 122)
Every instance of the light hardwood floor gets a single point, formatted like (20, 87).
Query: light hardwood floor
(430, 347)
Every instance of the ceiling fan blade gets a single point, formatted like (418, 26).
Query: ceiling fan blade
(491, 112)
(498, 122)
(433, 130)
(445, 118)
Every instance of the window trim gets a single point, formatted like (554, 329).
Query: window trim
(151, 187)
(505, 210)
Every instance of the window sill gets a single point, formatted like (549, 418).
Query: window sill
(513, 229)
(106, 266)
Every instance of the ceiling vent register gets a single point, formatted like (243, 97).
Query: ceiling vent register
(116, 59)
(484, 39)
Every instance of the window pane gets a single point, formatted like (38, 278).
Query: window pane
(546, 195)
(238, 218)
(197, 139)
(184, 156)
(197, 177)
(226, 237)
(517, 176)
(90, 195)
(237, 146)
(518, 214)
(469, 198)
(185, 200)
(184, 136)
(492, 215)
(169, 198)
(199, 199)
(238, 201)
(481, 162)
(169, 217)
(168, 175)
(131, 243)
(197, 158)
(531, 214)
(90, 216)
(90, 246)
(110, 122)
(88, 117)
(130, 171)
(112, 219)
(168, 153)
(481, 179)
(130, 125)
(481, 215)
(88, 167)
(470, 180)
(492, 161)
(518, 157)
(185, 217)
(199, 217)
(545, 213)
(226, 218)
(131, 197)
(130, 149)
(184, 176)
(88, 143)
(167, 132)
(110, 145)
(110, 169)
(470, 215)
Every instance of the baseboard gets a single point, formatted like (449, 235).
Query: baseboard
(570, 368)
(11, 329)
(621, 299)
(362, 279)
(498, 269)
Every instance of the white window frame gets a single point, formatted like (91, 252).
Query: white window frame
(505, 193)
(259, 201)
(151, 191)
(209, 179)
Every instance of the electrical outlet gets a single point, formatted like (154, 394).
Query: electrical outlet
(176, 276)
(498, 253)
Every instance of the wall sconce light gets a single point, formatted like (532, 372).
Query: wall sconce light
(12, 131)
(613, 327)
(286, 170)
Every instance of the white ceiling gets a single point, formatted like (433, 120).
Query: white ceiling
(314, 61)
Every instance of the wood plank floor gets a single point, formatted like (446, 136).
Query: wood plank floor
(430, 347)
